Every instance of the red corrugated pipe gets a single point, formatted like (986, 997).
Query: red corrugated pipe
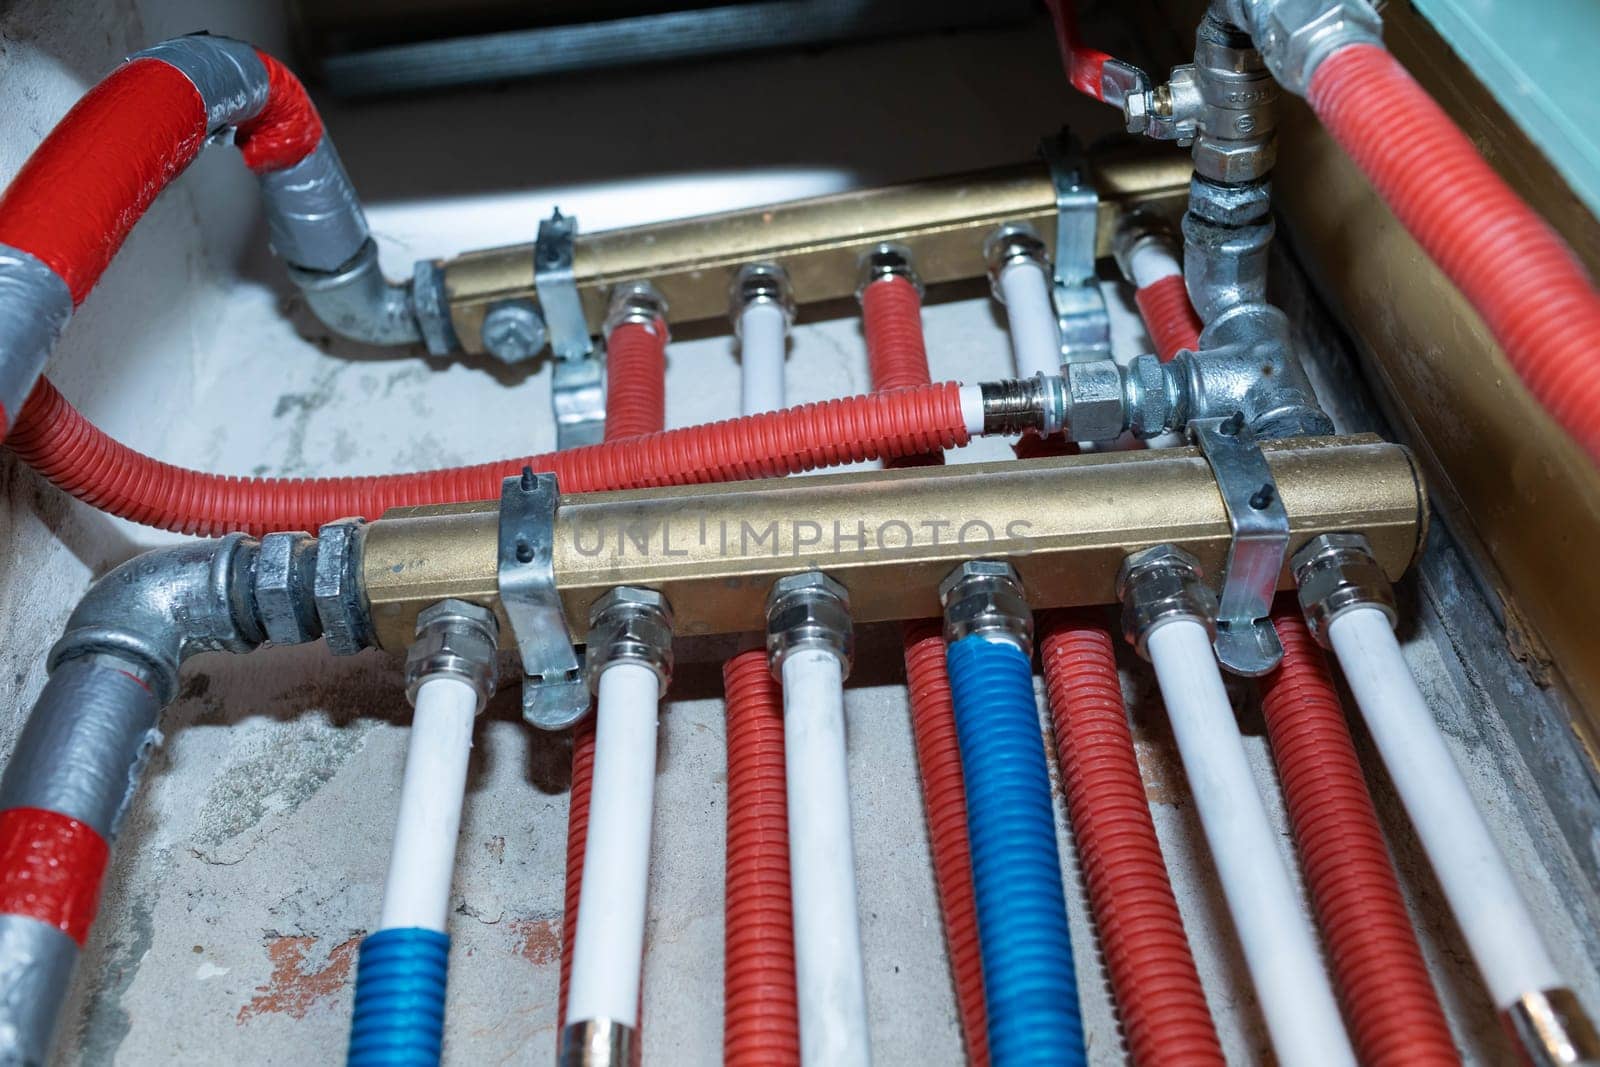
(1388, 1000)
(761, 1024)
(1153, 977)
(944, 796)
(77, 197)
(891, 311)
(1522, 279)
(66, 448)
(636, 389)
(1168, 316)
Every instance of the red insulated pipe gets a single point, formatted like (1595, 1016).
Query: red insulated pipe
(944, 796)
(1388, 1000)
(897, 357)
(760, 1020)
(636, 388)
(891, 314)
(1522, 279)
(1152, 972)
(73, 454)
(1168, 316)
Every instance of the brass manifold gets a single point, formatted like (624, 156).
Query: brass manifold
(890, 536)
(942, 221)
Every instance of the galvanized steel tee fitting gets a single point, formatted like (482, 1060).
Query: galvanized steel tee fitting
(630, 624)
(1013, 244)
(757, 284)
(809, 610)
(1337, 572)
(984, 597)
(637, 302)
(1159, 585)
(454, 637)
(884, 261)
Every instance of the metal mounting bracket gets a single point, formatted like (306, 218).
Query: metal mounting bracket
(1246, 642)
(1080, 306)
(554, 693)
(578, 385)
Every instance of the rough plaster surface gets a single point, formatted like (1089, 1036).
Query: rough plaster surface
(254, 858)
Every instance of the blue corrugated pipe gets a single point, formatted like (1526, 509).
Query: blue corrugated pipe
(1029, 983)
(399, 1015)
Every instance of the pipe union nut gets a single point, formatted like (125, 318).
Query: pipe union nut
(337, 588)
(1235, 161)
(458, 638)
(1095, 407)
(1336, 572)
(640, 303)
(1011, 244)
(760, 283)
(284, 575)
(985, 597)
(633, 624)
(808, 610)
(887, 260)
(1295, 36)
(1158, 585)
(1151, 396)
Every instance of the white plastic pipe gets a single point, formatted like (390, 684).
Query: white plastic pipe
(1280, 949)
(417, 891)
(1152, 261)
(1031, 314)
(829, 973)
(763, 336)
(1500, 932)
(609, 951)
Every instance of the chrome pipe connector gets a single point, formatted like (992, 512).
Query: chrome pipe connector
(599, 1043)
(1012, 244)
(1336, 572)
(984, 597)
(630, 624)
(884, 261)
(1552, 1029)
(757, 284)
(809, 610)
(638, 302)
(1016, 405)
(458, 638)
(1161, 584)
(1295, 36)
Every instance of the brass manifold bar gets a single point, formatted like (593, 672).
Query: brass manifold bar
(943, 221)
(890, 536)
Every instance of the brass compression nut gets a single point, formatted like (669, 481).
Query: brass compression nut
(887, 260)
(633, 624)
(454, 637)
(1336, 572)
(984, 597)
(1158, 585)
(808, 610)
(760, 283)
(638, 302)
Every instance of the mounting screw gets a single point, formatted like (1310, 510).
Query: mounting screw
(513, 331)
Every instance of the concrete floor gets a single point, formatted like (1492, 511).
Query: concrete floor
(253, 860)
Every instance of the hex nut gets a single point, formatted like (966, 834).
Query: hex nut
(985, 597)
(808, 610)
(1336, 572)
(513, 331)
(1235, 161)
(284, 576)
(637, 302)
(1295, 36)
(1229, 205)
(1159, 584)
(459, 638)
(632, 624)
(1096, 410)
(1010, 244)
(886, 260)
(1148, 392)
(337, 587)
(760, 283)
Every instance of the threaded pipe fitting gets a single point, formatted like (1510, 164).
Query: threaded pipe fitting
(984, 597)
(599, 1043)
(1336, 572)
(1017, 405)
(458, 638)
(809, 610)
(756, 284)
(1010, 244)
(887, 260)
(1158, 585)
(632, 624)
(637, 302)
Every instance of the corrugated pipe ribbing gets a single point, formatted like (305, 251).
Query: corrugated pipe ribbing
(399, 998)
(1030, 984)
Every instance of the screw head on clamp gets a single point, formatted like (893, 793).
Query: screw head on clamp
(1159, 584)
(887, 260)
(808, 610)
(459, 638)
(513, 331)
